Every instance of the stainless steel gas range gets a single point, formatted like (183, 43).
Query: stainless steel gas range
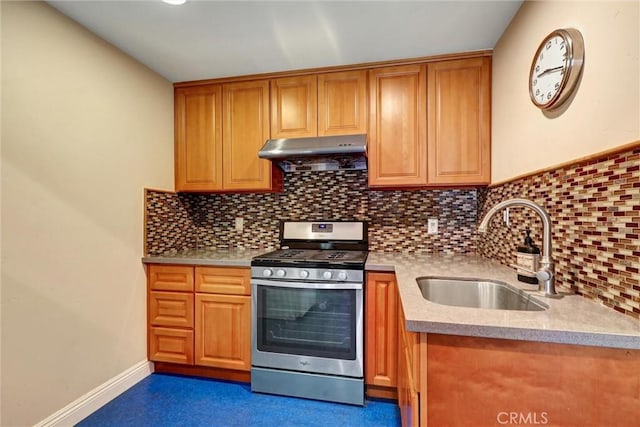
(307, 312)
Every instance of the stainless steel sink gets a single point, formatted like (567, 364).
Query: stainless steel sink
(477, 294)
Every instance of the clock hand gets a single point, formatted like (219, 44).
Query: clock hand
(550, 70)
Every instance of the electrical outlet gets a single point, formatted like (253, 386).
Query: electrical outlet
(432, 226)
(239, 224)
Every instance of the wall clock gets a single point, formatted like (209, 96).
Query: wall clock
(555, 68)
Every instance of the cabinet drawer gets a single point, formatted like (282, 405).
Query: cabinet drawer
(171, 309)
(223, 280)
(171, 345)
(170, 277)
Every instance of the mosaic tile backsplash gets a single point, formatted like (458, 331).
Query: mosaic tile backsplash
(397, 219)
(595, 212)
(594, 208)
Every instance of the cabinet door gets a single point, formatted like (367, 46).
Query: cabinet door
(459, 121)
(245, 130)
(223, 280)
(342, 103)
(198, 140)
(171, 345)
(294, 107)
(223, 331)
(168, 277)
(397, 126)
(381, 329)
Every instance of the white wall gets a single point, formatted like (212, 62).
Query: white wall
(605, 111)
(84, 129)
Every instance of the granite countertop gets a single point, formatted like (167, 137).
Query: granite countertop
(572, 319)
(207, 256)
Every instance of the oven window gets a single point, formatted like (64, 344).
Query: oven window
(309, 322)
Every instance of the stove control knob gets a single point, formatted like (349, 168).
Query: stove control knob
(267, 272)
(304, 274)
(281, 273)
(326, 275)
(342, 275)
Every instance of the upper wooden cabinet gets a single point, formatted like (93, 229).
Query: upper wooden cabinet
(319, 105)
(294, 107)
(398, 126)
(342, 103)
(198, 138)
(428, 123)
(219, 130)
(459, 124)
(244, 131)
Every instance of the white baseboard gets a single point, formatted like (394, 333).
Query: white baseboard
(84, 406)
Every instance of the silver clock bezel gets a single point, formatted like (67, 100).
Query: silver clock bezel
(572, 68)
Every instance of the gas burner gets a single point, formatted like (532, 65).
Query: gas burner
(291, 253)
(336, 255)
(317, 245)
(311, 258)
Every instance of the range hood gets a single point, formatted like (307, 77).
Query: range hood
(344, 152)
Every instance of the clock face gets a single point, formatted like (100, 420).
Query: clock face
(549, 69)
(556, 68)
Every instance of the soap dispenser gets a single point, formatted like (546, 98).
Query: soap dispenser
(528, 257)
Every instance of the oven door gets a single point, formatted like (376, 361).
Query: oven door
(307, 327)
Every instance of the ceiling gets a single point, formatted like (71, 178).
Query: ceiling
(211, 39)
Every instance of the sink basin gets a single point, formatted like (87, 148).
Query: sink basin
(477, 294)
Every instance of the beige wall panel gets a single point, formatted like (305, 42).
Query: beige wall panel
(84, 129)
(605, 111)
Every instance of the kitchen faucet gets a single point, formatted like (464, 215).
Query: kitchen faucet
(545, 275)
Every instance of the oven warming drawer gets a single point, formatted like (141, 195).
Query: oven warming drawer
(306, 385)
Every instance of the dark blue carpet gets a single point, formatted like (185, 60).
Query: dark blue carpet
(168, 400)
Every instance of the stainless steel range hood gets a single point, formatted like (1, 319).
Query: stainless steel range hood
(317, 154)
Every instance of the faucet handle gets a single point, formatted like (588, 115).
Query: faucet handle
(543, 274)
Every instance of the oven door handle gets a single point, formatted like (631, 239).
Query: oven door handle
(305, 285)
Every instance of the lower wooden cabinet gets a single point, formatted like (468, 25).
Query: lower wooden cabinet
(170, 313)
(223, 331)
(171, 309)
(171, 345)
(408, 373)
(381, 339)
(199, 316)
(487, 381)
